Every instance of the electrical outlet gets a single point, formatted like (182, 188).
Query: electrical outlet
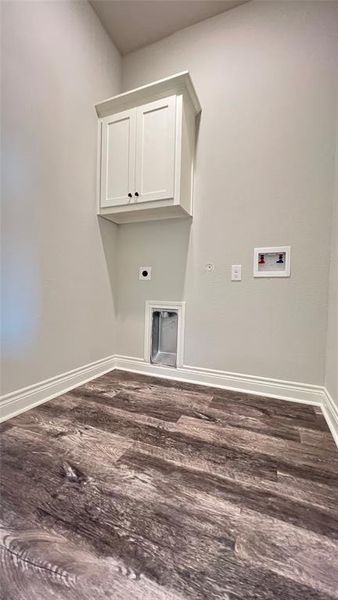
(144, 273)
(236, 272)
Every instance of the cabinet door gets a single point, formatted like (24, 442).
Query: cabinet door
(155, 150)
(118, 158)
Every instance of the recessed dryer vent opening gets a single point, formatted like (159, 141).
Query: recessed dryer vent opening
(164, 333)
(164, 338)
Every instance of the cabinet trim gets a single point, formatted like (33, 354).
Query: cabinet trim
(168, 86)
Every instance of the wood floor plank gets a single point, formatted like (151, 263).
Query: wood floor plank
(265, 404)
(317, 439)
(256, 442)
(132, 487)
(157, 405)
(129, 426)
(306, 491)
(155, 400)
(315, 493)
(287, 413)
(273, 426)
(61, 415)
(144, 532)
(242, 495)
(214, 552)
(170, 404)
(316, 474)
(41, 564)
(270, 543)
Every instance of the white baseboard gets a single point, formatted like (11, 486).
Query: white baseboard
(262, 386)
(21, 400)
(330, 411)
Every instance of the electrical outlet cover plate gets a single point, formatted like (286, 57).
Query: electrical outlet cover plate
(144, 273)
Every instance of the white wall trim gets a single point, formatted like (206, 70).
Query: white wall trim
(273, 388)
(26, 398)
(330, 411)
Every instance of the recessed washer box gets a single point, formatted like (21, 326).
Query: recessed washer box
(272, 261)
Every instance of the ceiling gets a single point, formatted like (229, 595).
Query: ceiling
(132, 24)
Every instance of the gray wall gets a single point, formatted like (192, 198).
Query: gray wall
(58, 306)
(265, 164)
(331, 380)
(264, 75)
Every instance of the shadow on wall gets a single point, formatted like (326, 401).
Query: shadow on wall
(108, 232)
(162, 245)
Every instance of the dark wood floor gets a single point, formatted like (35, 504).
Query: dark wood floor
(131, 488)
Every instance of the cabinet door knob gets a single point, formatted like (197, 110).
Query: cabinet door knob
(136, 194)
(130, 195)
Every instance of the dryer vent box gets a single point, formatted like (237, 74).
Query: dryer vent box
(164, 338)
(164, 327)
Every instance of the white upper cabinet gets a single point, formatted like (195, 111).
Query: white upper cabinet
(146, 151)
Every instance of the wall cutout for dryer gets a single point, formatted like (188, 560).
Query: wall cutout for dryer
(164, 333)
(273, 261)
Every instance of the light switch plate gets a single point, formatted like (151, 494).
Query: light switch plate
(236, 272)
(144, 273)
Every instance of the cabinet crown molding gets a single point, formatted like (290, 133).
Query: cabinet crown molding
(180, 83)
